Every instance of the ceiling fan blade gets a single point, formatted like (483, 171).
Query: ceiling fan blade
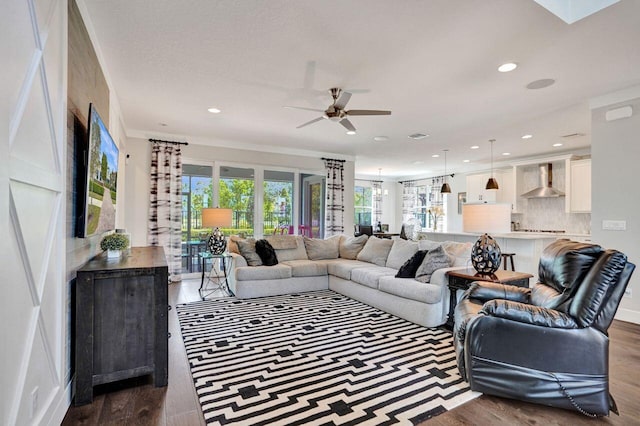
(342, 100)
(367, 112)
(347, 124)
(304, 108)
(310, 122)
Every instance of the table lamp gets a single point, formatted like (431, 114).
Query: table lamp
(216, 218)
(486, 218)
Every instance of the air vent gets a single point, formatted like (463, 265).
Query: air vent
(417, 136)
(572, 135)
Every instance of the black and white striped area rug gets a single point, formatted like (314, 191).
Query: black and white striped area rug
(316, 358)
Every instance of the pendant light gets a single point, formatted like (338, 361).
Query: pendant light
(492, 183)
(446, 189)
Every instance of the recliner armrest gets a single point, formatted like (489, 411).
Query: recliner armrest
(486, 290)
(528, 314)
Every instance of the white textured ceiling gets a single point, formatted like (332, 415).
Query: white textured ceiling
(433, 63)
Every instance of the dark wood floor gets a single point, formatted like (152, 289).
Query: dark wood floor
(137, 402)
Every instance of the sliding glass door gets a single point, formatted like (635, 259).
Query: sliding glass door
(312, 205)
(277, 202)
(237, 192)
(196, 195)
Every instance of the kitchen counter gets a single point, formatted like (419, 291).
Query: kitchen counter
(527, 246)
(516, 234)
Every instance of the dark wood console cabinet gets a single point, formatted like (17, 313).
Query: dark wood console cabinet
(121, 320)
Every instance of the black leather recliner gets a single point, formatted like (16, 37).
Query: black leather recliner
(547, 344)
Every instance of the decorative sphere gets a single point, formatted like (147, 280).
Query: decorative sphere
(486, 255)
(216, 243)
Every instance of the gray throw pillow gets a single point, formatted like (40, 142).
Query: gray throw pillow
(248, 251)
(318, 249)
(401, 251)
(434, 260)
(376, 251)
(351, 246)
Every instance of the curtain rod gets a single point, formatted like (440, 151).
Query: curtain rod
(169, 142)
(370, 180)
(427, 178)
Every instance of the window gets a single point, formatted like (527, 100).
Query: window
(236, 192)
(196, 195)
(277, 202)
(363, 203)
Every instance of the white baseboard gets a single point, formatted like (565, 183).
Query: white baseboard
(60, 410)
(628, 315)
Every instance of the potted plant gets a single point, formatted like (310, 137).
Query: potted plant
(113, 244)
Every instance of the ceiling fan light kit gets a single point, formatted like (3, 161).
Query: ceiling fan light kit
(337, 112)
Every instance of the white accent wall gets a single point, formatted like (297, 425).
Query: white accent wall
(34, 358)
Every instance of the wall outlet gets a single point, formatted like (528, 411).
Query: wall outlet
(33, 409)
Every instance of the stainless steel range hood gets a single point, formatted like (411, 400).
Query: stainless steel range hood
(546, 189)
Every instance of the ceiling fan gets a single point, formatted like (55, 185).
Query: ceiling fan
(336, 111)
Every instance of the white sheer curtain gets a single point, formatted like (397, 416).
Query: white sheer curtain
(165, 205)
(334, 217)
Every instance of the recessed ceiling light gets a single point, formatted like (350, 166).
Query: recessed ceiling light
(214, 110)
(527, 136)
(506, 153)
(417, 136)
(475, 147)
(557, 144)
(465, 161)
(540, 84)
(418, 162)
(509, 66)
(351, 132)
(380, 138)
(435, 155)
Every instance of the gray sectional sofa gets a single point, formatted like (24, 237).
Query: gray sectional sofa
(361, 268)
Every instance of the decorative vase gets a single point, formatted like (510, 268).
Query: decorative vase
(217, 243)
(486, 255)
(112, 254)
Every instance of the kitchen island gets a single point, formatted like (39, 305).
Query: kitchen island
(527, 246)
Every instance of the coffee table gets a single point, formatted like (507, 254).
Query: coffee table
(460, 279)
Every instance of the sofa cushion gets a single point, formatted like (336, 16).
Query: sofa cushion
(376, 251)
(411, 289)
(342, 267)
(430, 245)
(266, 252)
(275, 272)
(410, 267)
(370, 275)
(306, 268)
(296, 244)
(459, 252)
(400, 252)
(318, 249)
(351, 246)
(248, 251)
(435, 259)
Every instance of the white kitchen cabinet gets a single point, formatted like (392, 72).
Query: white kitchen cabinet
(476, 184)
(580, 186)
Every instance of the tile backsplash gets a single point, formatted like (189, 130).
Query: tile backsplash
(549, 214)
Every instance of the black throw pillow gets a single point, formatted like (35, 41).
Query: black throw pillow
(267, 253)
(408, 270)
